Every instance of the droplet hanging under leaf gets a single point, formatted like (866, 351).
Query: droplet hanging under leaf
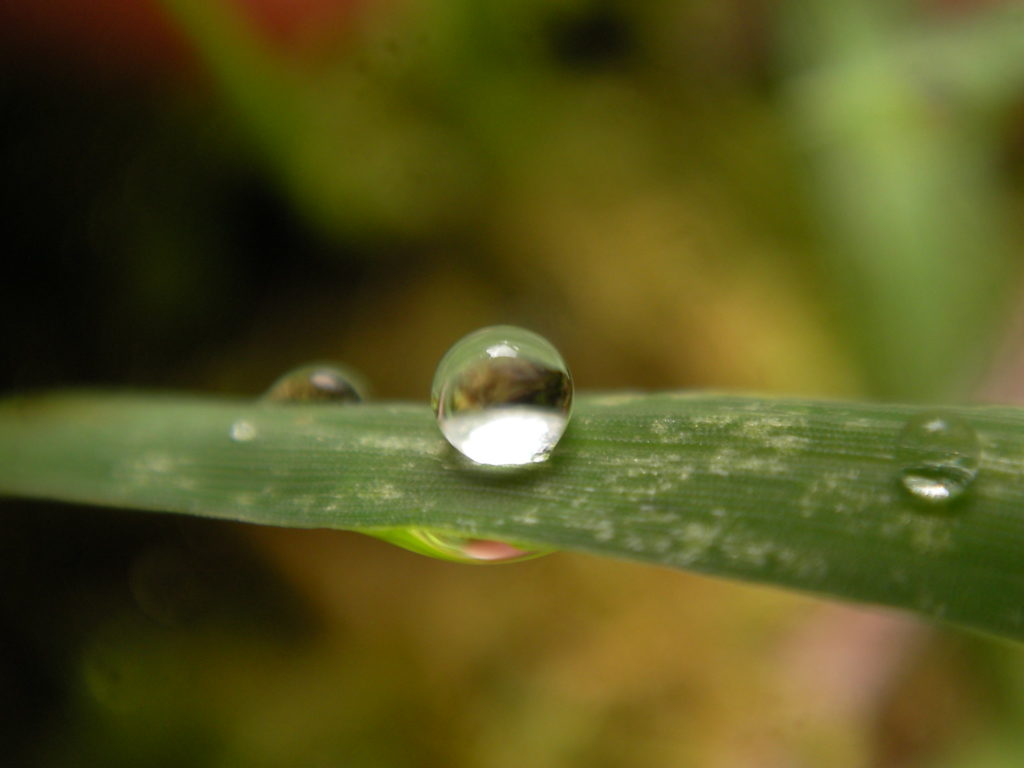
(457, 548)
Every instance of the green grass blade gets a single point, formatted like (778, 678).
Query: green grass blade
(793, 493)
(897, 121)
(257, 85)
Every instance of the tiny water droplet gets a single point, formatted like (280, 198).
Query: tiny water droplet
(317, 383)
(938, 455)
(502, 396)
(457, 548)
(243, 431)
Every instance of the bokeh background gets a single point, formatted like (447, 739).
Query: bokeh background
(786, 197)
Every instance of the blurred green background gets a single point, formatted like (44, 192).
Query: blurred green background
(782, 197)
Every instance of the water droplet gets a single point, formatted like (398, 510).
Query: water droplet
(457, 548)
(502, 396)
(317, 383)
(938, 455)
(243, 431)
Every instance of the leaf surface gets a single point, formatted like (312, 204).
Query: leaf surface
(799, 494)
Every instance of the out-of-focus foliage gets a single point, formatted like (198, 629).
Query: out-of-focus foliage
(791, 197)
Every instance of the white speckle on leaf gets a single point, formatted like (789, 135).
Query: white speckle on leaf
(401, 443)
(839, 492)
(759, 428)
(759, 465)
(787, 443)
(529, 517)
(304, 502)
(930, 535)
(387, 492)
(156, 463)
(154, 468)
(604, 530)
(613, 400)
(746, 551)
(662, 544)
(632, 542)
(715, 420)
(926, 535)
(721, 464)
(243, 431)
(693, 540)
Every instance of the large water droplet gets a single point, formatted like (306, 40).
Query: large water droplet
(317, 383)
(457, 548)
(938, 454)
(502, 396)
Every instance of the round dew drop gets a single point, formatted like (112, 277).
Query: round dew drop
(502, 396)
(316, 383)
(938, 455)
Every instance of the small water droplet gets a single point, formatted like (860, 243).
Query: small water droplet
(938, 455)
(457, 548)
(243, 431)
(502, 396)
(317, 383)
